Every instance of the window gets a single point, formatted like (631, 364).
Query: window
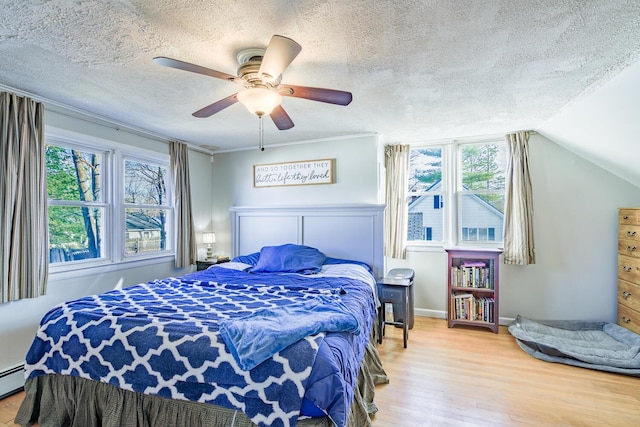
(89, 189)
(456, 193)
(426, 216)
(77, 211)
(146, 207)
(481, 191)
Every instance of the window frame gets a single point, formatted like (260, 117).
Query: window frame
(114, 226)
(451, 193)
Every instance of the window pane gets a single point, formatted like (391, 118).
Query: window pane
(480, 213)
(146, 230)
(73, 174)
(75, 233)
(425, 222)
(425, 168)
(145, 183)
(483, 166)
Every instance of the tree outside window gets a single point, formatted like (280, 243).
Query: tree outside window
(76, 209)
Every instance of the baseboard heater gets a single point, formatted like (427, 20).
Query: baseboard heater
(11, 380)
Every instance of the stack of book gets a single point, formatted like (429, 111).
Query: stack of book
(471, 307)
(471, 274)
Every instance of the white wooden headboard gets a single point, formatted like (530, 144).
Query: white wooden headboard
(340, 231)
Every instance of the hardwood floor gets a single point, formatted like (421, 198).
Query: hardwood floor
(8, 409)
(473, 377)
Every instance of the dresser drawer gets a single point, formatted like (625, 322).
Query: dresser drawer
(629, 247)
(629, 216)
(629, 318)
(629, 268)
(629, 294)
(629, 232)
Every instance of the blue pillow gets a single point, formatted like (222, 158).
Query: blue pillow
(251, 259)
(289, 258)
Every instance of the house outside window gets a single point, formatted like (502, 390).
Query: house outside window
(146, 207)
(456, 193)
(106, 205)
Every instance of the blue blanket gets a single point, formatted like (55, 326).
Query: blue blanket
(163, 339)
(255, 338)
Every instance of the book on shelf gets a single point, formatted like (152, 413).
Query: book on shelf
(471, 276)
(466, 306)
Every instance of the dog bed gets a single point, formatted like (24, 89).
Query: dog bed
(595, 345)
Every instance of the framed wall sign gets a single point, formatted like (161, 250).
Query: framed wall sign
(309, 172)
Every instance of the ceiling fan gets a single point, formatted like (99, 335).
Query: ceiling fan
(260, 74)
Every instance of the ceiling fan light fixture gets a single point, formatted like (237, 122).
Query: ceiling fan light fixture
(259, 100)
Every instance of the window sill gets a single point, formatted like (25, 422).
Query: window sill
(417, 247)
(65, 272)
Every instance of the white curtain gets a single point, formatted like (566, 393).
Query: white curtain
(519, 247)
(395, 220)
(24, 233)
(185, 234)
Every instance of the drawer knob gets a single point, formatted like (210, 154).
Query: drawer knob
(626, 294)
(631, 233)
(631, 248)
(626, 269)
(625, 319)
(625, 217)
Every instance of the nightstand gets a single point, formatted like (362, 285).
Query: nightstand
(204, 264)
(396, 292)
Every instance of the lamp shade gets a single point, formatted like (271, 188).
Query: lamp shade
(209, 237)
(259, 100)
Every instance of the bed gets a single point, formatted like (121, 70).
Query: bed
(279, 336)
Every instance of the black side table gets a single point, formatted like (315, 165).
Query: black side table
(204, 264)
(396, 292)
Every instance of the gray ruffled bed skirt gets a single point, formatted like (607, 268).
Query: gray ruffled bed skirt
(61, 401)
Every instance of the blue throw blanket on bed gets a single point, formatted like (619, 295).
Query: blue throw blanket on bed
(253, 339)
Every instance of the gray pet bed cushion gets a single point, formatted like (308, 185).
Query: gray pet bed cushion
(594, 345)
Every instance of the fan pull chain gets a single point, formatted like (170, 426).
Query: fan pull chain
(261, 131)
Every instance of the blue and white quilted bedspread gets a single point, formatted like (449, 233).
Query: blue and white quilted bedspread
(163, 338)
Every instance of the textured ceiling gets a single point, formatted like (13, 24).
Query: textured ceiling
(418, 69)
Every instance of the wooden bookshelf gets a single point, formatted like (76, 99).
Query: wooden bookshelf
(472, 289)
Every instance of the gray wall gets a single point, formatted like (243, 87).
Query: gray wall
(575, 276)
(358, 169)
(575, 206)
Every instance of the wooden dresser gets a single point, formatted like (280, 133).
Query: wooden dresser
(629, 268)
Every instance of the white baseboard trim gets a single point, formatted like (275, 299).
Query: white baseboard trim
(11, 380)
(439, 314)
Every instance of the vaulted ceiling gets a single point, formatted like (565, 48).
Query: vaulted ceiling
(418, 70)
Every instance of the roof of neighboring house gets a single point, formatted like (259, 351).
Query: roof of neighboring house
(436, 185)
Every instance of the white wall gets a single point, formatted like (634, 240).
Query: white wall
(575, 277)
(19, 320)
(357, 169)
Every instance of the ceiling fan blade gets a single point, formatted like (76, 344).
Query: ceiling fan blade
(186, 66)
(279, 54)
(330, 96)
(210, 110)
(281, 118)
